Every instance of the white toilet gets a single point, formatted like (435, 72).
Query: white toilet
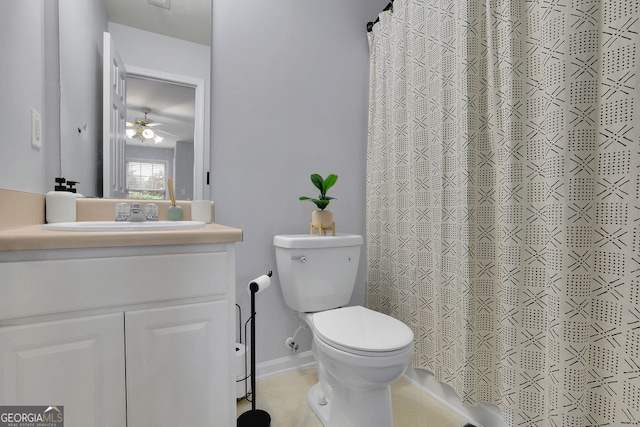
(360, 352)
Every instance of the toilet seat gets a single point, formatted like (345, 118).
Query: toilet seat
(359, 330)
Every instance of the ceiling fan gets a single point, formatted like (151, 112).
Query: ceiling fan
(141, 128)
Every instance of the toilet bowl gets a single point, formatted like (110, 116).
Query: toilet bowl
(360, 352)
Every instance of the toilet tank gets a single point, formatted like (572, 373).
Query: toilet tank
(317, 272)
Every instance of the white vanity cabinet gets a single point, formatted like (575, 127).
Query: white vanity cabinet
(132, 337)
(79, 361)
(174, 361)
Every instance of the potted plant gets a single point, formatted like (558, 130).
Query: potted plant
(322, 218)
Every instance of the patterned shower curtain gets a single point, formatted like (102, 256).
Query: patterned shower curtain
(503, 201)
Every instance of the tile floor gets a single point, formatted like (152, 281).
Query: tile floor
(284, 397)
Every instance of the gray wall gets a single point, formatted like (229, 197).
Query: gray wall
(28, 79)
(82, 23)
(183, 177)
(289, 98)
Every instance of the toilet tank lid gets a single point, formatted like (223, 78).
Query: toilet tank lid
(308, 242)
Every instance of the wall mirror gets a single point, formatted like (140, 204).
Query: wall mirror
(165, 126)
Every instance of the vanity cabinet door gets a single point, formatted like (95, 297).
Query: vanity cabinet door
(77, 363)
(178, 361)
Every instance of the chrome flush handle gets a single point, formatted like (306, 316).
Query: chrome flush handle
(301, 258)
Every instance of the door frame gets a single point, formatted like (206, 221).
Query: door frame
(200, 150)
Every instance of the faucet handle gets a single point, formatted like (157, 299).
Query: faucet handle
(151, 212)
(123, 210)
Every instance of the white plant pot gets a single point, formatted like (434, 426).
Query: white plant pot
(321, 218)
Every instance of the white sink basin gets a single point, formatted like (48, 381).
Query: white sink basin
(123, 226)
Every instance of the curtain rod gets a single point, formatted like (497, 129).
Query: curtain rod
(371, 24)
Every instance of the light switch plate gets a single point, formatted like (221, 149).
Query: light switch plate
(36, 129)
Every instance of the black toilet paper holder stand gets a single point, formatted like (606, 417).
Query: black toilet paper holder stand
(254, 417)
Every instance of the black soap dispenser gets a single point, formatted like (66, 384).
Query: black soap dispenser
(71, 186)
(60, 184)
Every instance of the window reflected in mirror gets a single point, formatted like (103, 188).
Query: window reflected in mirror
(146, 180)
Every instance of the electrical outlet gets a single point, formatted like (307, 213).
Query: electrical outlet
(36, 129)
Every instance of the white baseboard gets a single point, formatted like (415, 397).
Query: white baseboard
(284, 364)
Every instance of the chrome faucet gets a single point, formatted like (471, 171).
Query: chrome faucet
(136, 213)
(133, 212)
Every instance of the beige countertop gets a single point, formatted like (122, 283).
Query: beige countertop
(34, 237)
(22, 216)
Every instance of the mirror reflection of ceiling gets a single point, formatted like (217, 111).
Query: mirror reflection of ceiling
(171, 105)
(182, 19)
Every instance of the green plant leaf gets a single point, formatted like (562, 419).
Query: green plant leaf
(321, 204)
(328, 183)
(317, 181)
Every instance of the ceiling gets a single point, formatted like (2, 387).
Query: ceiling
(171, 104)
(184, 19)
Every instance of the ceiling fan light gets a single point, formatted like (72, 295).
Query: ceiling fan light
(158, 139)
(148, 133)
(131, 133)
